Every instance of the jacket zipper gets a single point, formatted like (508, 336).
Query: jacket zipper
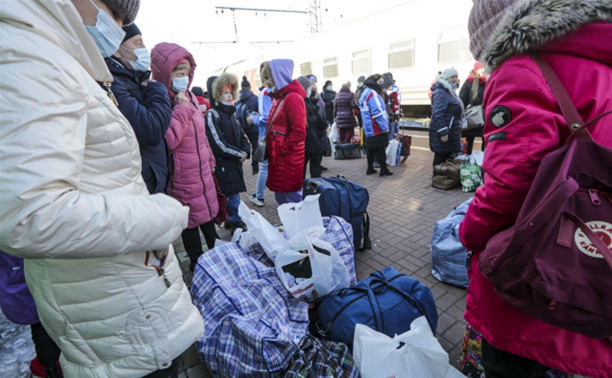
(108, 84)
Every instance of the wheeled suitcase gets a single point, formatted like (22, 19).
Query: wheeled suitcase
(345, 199)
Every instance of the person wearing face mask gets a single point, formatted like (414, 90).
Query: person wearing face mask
(322, 132)
(314, 123)
(229, 143)
(472, 93)
(145, 103)
(328, 95)
(97, 246)
(192, 162)
(446, 114)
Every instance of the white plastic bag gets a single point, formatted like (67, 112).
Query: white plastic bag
(416, 353)
(297, 217)
(260, 230)
(334, 137)
(328, 272)
(393, 153)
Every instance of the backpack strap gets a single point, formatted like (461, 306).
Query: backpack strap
(575, 124)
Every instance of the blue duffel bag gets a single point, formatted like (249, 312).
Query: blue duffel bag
(387, 302)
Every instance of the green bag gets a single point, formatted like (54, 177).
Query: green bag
(471, 175)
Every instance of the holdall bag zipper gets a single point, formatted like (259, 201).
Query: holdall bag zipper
(111, 95)
(161, 272)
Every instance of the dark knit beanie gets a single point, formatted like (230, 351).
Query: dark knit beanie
(198, 91)
(245, 83)
(305, 82)
(361, 79)
(130, 30)
(126, 9)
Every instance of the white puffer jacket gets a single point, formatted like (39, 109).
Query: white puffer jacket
(73, 203)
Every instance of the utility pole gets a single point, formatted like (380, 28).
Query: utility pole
(315, 19)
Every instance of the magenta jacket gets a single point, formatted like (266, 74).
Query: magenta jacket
(191, 159)
(523, 124)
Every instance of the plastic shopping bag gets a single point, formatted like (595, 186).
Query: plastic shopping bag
(334, 137)
(310, 268)
(471, 175)
(416, 353)
(393, 153)
(261, 231)
(297, 217)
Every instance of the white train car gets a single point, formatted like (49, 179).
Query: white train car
(413, 40)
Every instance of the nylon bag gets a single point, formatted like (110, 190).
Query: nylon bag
(393, 152)
(555, 262)
(471, 175)
(387, 302)
(347, 151)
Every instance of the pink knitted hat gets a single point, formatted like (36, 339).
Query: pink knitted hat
(484, 17)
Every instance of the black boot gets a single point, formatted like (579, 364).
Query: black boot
(386, 173)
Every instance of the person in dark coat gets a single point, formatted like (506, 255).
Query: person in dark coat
(344, 113)
(472, 93)
(328, 95)
(446, 115)
(315, 96)
(145, 103)
(314, 123)
(250, 106)
(228, 142)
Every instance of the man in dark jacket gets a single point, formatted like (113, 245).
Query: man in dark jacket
(245, 107)
(328, 95)
(145, 103)
(314, 123)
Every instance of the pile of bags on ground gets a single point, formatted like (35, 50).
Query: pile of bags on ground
(464, 171)
(285, 301)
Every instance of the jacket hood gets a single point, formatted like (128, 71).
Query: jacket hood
(371, 82)
(210, 87)
(282, 71)
(59, 22)
(164, 59)
(293, 86)
(532, 24)
(245, 94)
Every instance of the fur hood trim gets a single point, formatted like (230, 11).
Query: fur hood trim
(531, 24)
(222, 81)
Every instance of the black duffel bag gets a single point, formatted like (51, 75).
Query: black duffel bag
(346, 151)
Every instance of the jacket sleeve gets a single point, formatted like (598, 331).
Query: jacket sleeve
(512, 160)
(439, 120)
(464, 93)
(182, 118)
(245, 145)
(378, 111)
(220, 147)
(151, 119)
(295, 109)
(264, 105)
(43, 211)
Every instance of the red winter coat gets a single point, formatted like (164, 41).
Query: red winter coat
(286, 139)
(532, 128)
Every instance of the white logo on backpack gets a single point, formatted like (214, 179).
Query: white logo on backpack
(603, 230)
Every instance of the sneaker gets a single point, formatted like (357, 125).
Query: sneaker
(258, 202)
(386, 173)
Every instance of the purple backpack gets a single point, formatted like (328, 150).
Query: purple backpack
(555, 263)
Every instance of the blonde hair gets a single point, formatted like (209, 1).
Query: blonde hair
(221, 82)
(265, 72)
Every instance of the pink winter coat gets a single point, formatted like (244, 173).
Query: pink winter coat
(523, 124)
(192, 161)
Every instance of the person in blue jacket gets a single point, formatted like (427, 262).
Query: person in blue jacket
(145, 103)
(248, 105)
(260, 119)
(446, 115)
(375, 124)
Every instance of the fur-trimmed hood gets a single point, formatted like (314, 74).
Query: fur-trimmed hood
(531, 24)
(221, 82)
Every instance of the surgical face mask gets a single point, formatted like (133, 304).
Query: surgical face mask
(310, 91)
(359, 85)
(106, 33)
(330, 88)
(143, 59)
(179, 84)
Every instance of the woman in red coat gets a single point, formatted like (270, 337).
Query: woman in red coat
(523, 124)
(286, 131)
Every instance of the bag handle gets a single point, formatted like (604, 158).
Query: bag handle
(597, 242)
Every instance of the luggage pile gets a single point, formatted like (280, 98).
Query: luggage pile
(267, 296)
(447, 175)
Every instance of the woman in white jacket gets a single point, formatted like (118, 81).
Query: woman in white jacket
(73, 203)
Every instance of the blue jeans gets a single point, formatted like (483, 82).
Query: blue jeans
(233, 201)
(291, 197)
(393, 129)
(262, 177)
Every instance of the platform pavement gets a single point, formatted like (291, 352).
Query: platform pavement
(403, 210)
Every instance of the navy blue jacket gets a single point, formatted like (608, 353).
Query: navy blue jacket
(149, 111)
(252, 102)
(229, 144)
(446, 114)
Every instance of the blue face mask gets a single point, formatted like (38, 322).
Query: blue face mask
(143, 59)
(106, 33)
(179, 84)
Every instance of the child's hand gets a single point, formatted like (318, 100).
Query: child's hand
(180, 98)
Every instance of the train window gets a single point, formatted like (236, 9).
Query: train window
(362, 62)
(454, 45)
(330, 67)
(401, 54)
(306, 68)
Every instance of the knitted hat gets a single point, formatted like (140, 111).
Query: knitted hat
(388, 80)
(305, 82)
(126, 9)
(245, 83)
(449, 72)
(197, 91)
(312, 78)
(361, 79)
(484, 17)
(130, 30)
